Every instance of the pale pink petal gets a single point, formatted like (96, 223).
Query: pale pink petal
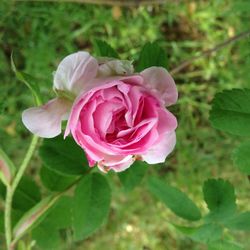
(159, 80)
(75, 71)
(122, 166)
(166, 121)
(45, 121)
(115, 67)
(115, 162)
(107, 82)
(160, 150)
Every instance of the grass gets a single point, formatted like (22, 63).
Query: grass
(41, 34)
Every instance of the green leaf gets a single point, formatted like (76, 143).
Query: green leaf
(33, 217)
(26, 195)
(220, 198)
(46, 238)
(29, 81)
(1, 221)
(24, 245)
(204, 234)
(231, 112)
(60, 215)
(207, 233)
(2, 190)
(151, 55)
(173, 198)
(224, 245)
(63, 156)
(15, 217)
(47, 234)
(241, 157)
(54, 181)
(91, 205)
(132, 177)
(7, 168)
(103, 49)
(240, 222)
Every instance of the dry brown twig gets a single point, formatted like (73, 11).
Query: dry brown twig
(208, 52)
(128, 3)
(125, 3)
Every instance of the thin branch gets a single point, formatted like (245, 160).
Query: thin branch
(208, 52)
(25, 162)
(125, 3)
(11, 190)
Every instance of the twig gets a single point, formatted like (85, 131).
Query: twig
(125, 3)
(187, 62)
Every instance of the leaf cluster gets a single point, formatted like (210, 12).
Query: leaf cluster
(212, 228)
(231, 113)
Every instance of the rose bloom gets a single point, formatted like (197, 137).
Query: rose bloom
(117, 116)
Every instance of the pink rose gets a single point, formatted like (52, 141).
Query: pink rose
(115, 118)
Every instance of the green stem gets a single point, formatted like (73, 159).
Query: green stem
(25, 163)
(7, 217)
(11, 190)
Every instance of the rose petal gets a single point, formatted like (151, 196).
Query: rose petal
(45, 121)
(139, 146)
(158, 78)
(115, 67)
(75, 72)
(115, 162)
(90, 160)
(96, 149)
(107, 82)
(103, 122)
(122, 166)
(161, 150)
(83, 98)
(166, 121)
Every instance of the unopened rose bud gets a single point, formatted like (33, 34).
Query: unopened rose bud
(7, 168)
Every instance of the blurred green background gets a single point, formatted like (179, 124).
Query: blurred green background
(40, 34)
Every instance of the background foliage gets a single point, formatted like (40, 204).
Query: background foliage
(41, 34)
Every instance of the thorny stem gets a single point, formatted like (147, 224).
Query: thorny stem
(11, 190)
